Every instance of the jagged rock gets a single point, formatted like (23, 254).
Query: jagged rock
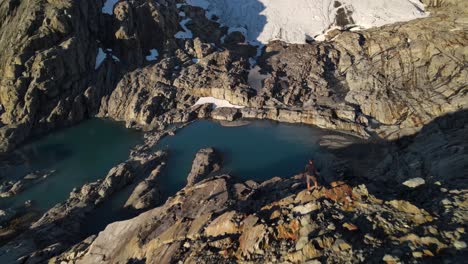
(206, 161)
(60, 226)
(223, 225)
(146, 194)
(47, 56)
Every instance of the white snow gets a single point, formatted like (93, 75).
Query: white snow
(108, 7)
(187, 33)
(294, 21)
(153, 55)
(216, 102)
(100, 57)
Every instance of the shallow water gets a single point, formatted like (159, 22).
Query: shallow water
(79, 155)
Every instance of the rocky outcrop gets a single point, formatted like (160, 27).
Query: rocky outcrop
(47, 56)
(207, 161)
(277, 221)
(52, 74)
(60, 227)
(387, 81)
(145, 98)
(399, 76)
(147, 193)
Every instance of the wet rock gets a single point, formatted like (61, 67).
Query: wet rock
(206, 161)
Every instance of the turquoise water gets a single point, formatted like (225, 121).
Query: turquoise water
(84, 153)
(79, 155)
(257, 151)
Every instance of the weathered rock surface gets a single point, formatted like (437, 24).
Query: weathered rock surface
(47, 56)
(146, 194)
(400, 76)
(206, 161)
(49, 72)
(387, 81)
(61, 226)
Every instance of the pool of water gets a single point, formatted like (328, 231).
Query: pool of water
(257, 151)
(78, 155)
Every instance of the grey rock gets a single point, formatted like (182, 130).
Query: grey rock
(206, 161)
(415, 182)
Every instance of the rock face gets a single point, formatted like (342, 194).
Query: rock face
(206, 161)
(49, 71)
(289, 226)
(47, 56)
(387, 81)
(397, 75)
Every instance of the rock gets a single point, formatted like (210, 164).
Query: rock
(305, 209)
(223, 225)
(389, 259)
(419, 216)
(415, 182)
(459, 244)
(341, 245)
(146, 194)
(44, 77)
(73, 212)
(206, 161)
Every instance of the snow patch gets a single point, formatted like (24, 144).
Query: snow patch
(108, 7)
(216, 102)
(295, 21)
(153, 55)
(187, 33)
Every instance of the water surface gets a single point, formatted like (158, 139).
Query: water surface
(258, 151)
(78, 155)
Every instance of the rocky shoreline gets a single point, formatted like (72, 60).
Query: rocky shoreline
(404, 84)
